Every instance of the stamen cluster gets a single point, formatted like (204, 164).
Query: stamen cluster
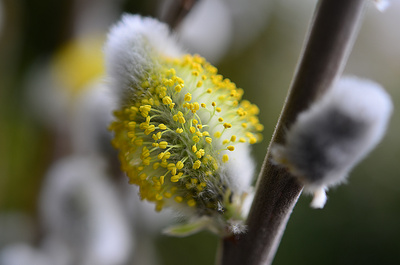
(176, 132)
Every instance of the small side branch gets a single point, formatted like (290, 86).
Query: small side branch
(174, 11)
(331, 37)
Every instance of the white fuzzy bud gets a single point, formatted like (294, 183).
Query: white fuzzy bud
(334, 134)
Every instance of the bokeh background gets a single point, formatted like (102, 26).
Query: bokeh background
(256, 44)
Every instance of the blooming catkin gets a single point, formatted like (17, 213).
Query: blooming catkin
(182, 130)
(334, 134)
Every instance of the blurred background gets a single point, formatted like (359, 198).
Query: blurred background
(62, 199)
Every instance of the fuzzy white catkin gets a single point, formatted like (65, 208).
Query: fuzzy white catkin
(334, 134)
(131, 50)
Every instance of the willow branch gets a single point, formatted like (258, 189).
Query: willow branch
(330, 39)
(175, 11)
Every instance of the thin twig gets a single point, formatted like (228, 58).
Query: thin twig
(331, 37)
(175, 11)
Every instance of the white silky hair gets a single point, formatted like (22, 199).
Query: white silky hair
(134, 44)
(334, 134)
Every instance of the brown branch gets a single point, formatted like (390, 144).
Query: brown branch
(331, 37)
(175, 11)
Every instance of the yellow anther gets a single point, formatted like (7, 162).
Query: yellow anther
(163, 144)
(242, 140)
(178, 199)
(259, 127)
(199, 134)
(197, 164)
(225, 141)
(156, 165)
(188, 97)
(225, 158)
(196, 139)
(162, 180)
(213, 104)
(149, 129)
(194, 148)
(231, 148)
(200, 153)
(196, 106)
(139, 142)
(204, 77)
(209, 91)
(199, 126)
(195, 121)
(220, 119)
(233, 138)
(178, 88)
(203, 105)
(154, 144)
(253, 140)
(208, 140)
(195, 73)
(244, 125)
(179, 130)
(179, 165)
(199, 84)
(192, 129)
(159, 197)
(162, 126)
(171, 71)
(172, 105)
(143, 176)
(191, 202)
(217, 134)
(227, 125)
(167, 100)
(167, 195)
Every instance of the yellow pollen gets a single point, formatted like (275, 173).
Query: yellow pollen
(192, 129)
(220, 119)
(163, 144)
(191, 203)
(208, 140)
(194, 148)
(178, 199)
(253, 140)
(195, 121)
(231, 148)
(196, 139)
(225, 158)
(179, 130)
(179, 165)
(233, 138)
(200, 126)
(188, 97)
(227, 125)
(213, 104)
(167, 100)
(203, 105)
(218, 109)
(162, 126)
(178, 88)
(197, 164)
(242, 140)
